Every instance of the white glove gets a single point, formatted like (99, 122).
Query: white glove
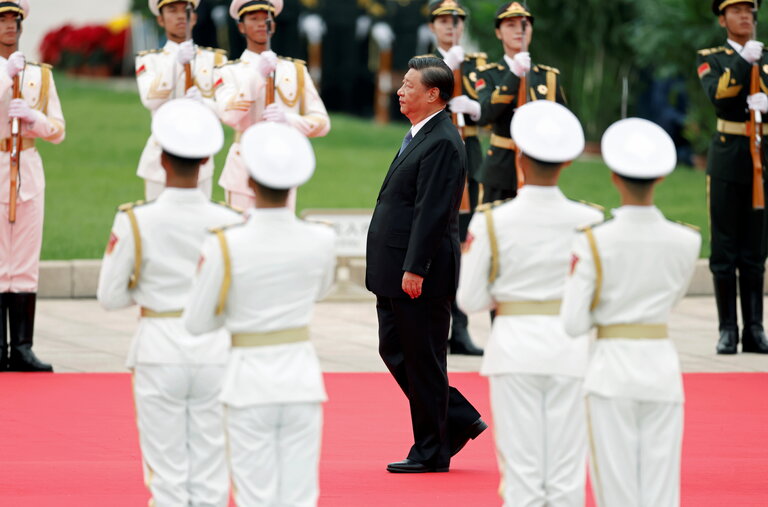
(464, 105)
(362, 25)
(454, 57)
(313, 26)
(383, 35)
(521, 63)
(275, 112)
(194, 94)
(753, 51)
(16, 63)
(267, 63)
(186, 52)
(758, 102)
(19, 109)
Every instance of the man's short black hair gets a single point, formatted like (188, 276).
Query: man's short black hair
(272, 195)
(434, 74)
(183, 166)
(544, 166)
(639, 182)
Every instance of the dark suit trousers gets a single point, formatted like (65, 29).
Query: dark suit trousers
(413, 342)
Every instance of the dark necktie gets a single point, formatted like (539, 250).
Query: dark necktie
(406, 141)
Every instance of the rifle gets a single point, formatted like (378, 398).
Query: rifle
(15, 141)
(755, 128)
(383, 85)
(522, 92)
(189, 79)
(270, 91)
(458, 118)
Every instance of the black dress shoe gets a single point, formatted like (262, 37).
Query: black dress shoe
(408, 466)
(472, 432)
(729, 341)
(753, 339)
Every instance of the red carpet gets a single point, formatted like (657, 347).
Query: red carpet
(70, 439)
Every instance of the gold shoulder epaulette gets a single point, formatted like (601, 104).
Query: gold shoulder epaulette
(42, 65)
(223, 228)
(690, 226)
(710, 51)
(228, 62)
(213, 50)
(149, 52)
(491, 65)
(593, 226)
(599, 208)
(479, 54)
(295, 60)
(229, 206)
(548, 68)
(483, 207)
(131, 205)
(491, 205)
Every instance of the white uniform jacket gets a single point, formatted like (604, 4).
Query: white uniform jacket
(280, 266)
(240, 101)
(647, 263)
(534, 233)
(39, 91)
(161, 78)
(172, 229)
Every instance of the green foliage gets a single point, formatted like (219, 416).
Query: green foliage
(596, 44)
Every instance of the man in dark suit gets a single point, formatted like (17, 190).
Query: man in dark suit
(413, 268)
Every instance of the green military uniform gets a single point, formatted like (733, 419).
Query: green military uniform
(738, 232)
(497, 90)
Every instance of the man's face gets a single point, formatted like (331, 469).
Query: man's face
(510, 33)
(254, 26)
(415, 98)
(444, 30)
(8, 28)
(738, 19)
(173, 18)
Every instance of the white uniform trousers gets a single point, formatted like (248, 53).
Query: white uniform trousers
(246, 201)
(636, 448)
(181, 432)
(274, 453)
(541, 439)
(154, 188)
(20, 244)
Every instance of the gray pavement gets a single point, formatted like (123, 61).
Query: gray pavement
(77, 335)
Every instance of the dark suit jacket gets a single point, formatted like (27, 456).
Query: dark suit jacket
(415, 223)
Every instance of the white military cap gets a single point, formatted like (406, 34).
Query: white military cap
(277, 155)
(18, 6)
(187, 128)
(638, 148)
(547, 131)
(155, 5)
(238, 8)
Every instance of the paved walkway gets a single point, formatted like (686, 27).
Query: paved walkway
(76, 335)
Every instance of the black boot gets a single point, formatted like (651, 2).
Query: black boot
(725, 296)
(21, 320)
(753, 336)
(460, 342)
(3, 333)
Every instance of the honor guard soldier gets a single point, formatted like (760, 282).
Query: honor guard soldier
(30, 109)
(626, 275)
(150, 260)
(243, 99)
(260, 281)
(446, 21)
(737, 223)
(498, 87)
(517, 264)
(178, 69)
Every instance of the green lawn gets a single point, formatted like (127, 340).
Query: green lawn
(94, 170)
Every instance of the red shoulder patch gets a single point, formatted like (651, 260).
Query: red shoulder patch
(574, 262)
(200, 263)
(112, 242)
(218, 83)
(141, 70)
(479, 84)
(704, 69)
